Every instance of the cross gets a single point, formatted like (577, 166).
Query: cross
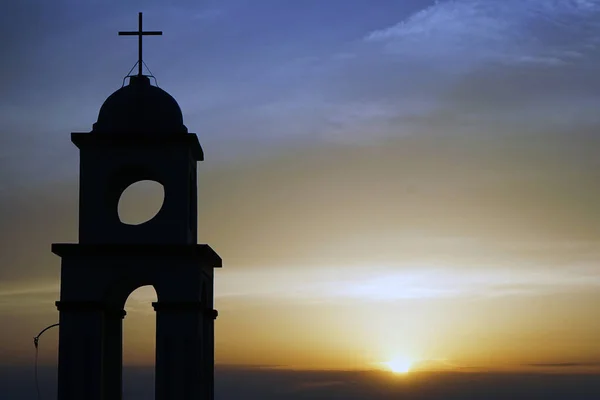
(140, 33)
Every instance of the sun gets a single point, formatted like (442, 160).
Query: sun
(399, 365)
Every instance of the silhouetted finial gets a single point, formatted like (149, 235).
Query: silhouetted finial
(140, 33)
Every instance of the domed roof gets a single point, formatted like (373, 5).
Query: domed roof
(140, 108)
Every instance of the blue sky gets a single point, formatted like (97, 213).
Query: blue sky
(270, 73)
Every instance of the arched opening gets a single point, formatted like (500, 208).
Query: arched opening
(140, 202)
(139, 343)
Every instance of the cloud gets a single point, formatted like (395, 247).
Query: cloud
(28, 298)
(465, 66)
(421, 282)
(405, 281)
(566, 364)
(471, 32)
(29, 290)
(316, 386)
(437, 365)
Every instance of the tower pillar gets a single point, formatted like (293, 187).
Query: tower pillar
(80, 355)
(113, 353)
(208, 344)
(180, 373)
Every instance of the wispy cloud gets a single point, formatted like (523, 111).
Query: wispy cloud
(30, 299)
(469, 32)
(566, 364)
(29, 290)
(310, 386)
(406, 282)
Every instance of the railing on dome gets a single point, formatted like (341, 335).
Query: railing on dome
(149, 76)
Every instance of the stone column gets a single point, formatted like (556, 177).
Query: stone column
(80, 350)
(208, 345)
(113, 354)
(179, 363)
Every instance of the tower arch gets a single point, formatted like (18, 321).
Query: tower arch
(139, 343)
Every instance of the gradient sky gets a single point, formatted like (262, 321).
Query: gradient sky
(382, 178)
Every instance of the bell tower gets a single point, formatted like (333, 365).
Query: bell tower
(139, 135)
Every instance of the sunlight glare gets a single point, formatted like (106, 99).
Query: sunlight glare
(399, 365)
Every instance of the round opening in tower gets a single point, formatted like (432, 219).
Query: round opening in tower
(140, 202)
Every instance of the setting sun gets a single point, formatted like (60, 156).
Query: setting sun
(399, 365)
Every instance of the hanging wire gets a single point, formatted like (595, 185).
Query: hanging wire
(151, 74)
(134, 65)
(36, 341)
(128, 74)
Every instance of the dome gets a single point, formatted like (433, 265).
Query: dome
(140, 108)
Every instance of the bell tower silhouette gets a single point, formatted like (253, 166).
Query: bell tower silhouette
(139, 135)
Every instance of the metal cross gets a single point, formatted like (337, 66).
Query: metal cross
(140, 33)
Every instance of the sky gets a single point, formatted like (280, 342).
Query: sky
(413, 179)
